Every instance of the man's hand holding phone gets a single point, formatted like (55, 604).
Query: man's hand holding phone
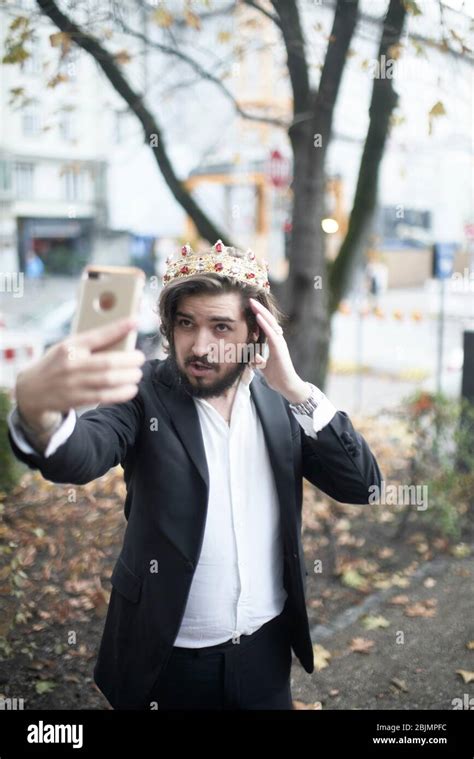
(79, 371)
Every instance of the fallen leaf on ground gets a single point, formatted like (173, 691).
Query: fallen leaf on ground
(352, 579)
(44, 686)
(400, 684)
(467, 676)
(385, 553)
(321, 657)
(422, 608)
(400, 600)
(361, 645)
(371, 622)
(461, 550)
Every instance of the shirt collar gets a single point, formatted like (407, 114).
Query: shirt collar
(243, 388)
(246, 378)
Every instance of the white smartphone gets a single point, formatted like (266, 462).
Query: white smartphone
(108, 293)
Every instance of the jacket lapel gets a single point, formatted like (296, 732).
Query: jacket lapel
(273, 417)
(184, 417)
(277, 431)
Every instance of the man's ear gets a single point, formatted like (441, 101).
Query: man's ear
(255, 336)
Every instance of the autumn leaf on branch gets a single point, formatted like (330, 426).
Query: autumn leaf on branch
(436, 111)
(122, 57)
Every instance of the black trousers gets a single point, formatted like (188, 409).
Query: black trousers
(251, 674)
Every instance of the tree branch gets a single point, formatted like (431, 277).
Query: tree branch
(288, 14)
(272, 16)
(204, 74)
(441, 45)
(90, 44)
(345, 20)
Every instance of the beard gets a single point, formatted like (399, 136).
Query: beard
(210, 390)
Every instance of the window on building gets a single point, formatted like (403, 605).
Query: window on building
(72, 179)
(67, 124)
(5, 177)
(69, 63)
(32, 64)
(118, 126)
(24, 180)
(31, 119)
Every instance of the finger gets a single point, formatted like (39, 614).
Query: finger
(117, 395)
(102, 361)
(260, 362)
(261, 309)
(114, 378)
(100, 337)
(269, 331)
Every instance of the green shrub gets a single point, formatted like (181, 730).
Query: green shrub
(10, 467)
(442, 432)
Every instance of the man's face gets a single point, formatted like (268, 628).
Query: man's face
(205, 328)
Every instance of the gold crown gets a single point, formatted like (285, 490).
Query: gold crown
(220, 259)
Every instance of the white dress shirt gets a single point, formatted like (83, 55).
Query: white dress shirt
(237, 585)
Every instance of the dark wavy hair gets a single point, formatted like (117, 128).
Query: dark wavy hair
(212, 284)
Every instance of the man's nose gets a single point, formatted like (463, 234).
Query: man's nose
(202, 343)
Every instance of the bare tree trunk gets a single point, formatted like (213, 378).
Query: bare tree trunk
(308, 332)
(308, 307)
(384, 99)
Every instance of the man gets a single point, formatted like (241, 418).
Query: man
(208, 592)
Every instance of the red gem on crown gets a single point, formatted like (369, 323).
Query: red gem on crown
(218, 246)
(184, 270)
(218, 267)
(250, 275)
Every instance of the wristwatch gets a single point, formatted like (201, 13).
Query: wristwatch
(56, 419)
(308, 406)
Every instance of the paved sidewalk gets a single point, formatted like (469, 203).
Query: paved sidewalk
(417, 674)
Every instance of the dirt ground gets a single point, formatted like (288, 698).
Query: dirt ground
(59, 545)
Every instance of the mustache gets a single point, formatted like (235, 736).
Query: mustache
(199, 361)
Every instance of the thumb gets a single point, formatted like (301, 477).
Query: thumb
(100, 337)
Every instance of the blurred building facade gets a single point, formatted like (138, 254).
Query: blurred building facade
(76, 174)
(52, 154)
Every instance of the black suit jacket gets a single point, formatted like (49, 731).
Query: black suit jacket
(157, 438)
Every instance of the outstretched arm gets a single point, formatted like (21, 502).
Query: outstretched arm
(79, 371)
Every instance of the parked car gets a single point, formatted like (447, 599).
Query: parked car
(24, 341)
(56, 325)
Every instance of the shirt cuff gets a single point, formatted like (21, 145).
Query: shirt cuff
(322, 415)
(58, 438)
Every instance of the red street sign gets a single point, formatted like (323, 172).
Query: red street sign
(279, 169)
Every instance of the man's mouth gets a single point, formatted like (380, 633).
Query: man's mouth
(198, 369)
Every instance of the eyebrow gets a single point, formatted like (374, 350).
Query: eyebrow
(211, 318)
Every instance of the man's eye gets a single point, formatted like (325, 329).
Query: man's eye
(222, 325)
(181, 322)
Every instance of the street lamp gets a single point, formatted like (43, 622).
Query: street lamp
(330, 226)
